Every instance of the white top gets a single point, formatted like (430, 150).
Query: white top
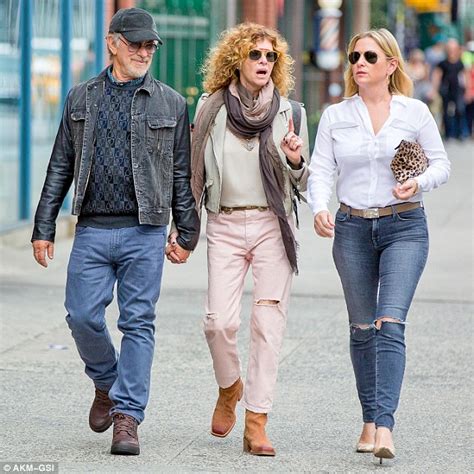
(346, 144)
(241, 180)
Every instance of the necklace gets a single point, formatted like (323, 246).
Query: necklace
(249, 143)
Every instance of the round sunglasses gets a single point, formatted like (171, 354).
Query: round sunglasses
(150, 46)
(370, 56)
(256, 54)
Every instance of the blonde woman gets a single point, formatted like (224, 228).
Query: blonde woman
(380, 230)
(246, 162)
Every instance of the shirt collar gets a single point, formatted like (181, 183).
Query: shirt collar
(400, 99)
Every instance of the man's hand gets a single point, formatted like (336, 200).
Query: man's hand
(406, 190)
(174, 252)
(324, 224)
(40, 249)
(291, 145)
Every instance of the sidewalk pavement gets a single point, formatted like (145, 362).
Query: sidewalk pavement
(45, 396)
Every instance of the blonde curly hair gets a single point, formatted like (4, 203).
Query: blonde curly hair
(224, 60)
(399, 82)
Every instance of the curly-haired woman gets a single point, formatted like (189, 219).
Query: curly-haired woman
(246, 162)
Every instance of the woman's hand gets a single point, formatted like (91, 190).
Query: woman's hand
(292, 145)
(174, 252)
(406, 190)
(324, 224)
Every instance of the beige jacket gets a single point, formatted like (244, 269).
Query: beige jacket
(213, 157)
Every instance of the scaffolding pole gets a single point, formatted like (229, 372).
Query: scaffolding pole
(26, 19)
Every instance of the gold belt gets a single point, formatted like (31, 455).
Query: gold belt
(230, 210)
(376, 212)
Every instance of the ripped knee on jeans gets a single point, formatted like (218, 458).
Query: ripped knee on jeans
(387, 319)
(361, 326)
(264, 302)
(361, 333)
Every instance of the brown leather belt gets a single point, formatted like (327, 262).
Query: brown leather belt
(230, 210)
(376, 212)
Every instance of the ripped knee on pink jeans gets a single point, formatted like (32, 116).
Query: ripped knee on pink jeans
(267, 302)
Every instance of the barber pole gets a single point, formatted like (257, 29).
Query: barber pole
(327, 51)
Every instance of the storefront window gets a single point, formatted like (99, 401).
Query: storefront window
(9, 110)
(46, 101)
(46, 76)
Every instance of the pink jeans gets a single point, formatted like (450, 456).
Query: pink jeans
(234, 242)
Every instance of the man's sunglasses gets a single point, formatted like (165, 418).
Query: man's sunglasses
(256, 54)
(150, 46)
(370, 56)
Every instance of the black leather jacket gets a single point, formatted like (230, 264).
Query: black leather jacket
(160, 151)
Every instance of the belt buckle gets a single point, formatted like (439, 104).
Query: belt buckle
(372, 213)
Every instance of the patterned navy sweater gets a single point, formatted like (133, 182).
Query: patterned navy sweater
(110, 190)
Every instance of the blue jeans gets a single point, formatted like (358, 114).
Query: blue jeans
(132, 257)
(380, 262)
(454, 117)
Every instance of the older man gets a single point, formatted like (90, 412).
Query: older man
(124, 141)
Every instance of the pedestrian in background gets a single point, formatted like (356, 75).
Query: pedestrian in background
(450, 81)
(418, 70)
(468, 61)
(124, 141)
(247, 161)
(435, 53)
(380, 230)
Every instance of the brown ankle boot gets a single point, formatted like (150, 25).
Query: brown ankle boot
(125, 439)
(99, 418)
(255, 439)
(223, 419)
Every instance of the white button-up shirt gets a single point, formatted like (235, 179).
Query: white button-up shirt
(346, 144)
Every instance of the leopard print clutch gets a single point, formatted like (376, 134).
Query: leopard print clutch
(409, 161)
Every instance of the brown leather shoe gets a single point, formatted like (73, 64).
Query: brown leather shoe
(99, 418)
(255, 439)
(223, 419)
(125, 439)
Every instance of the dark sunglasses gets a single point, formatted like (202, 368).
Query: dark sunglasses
(150, 47)
(256, 54)
(370, 56)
